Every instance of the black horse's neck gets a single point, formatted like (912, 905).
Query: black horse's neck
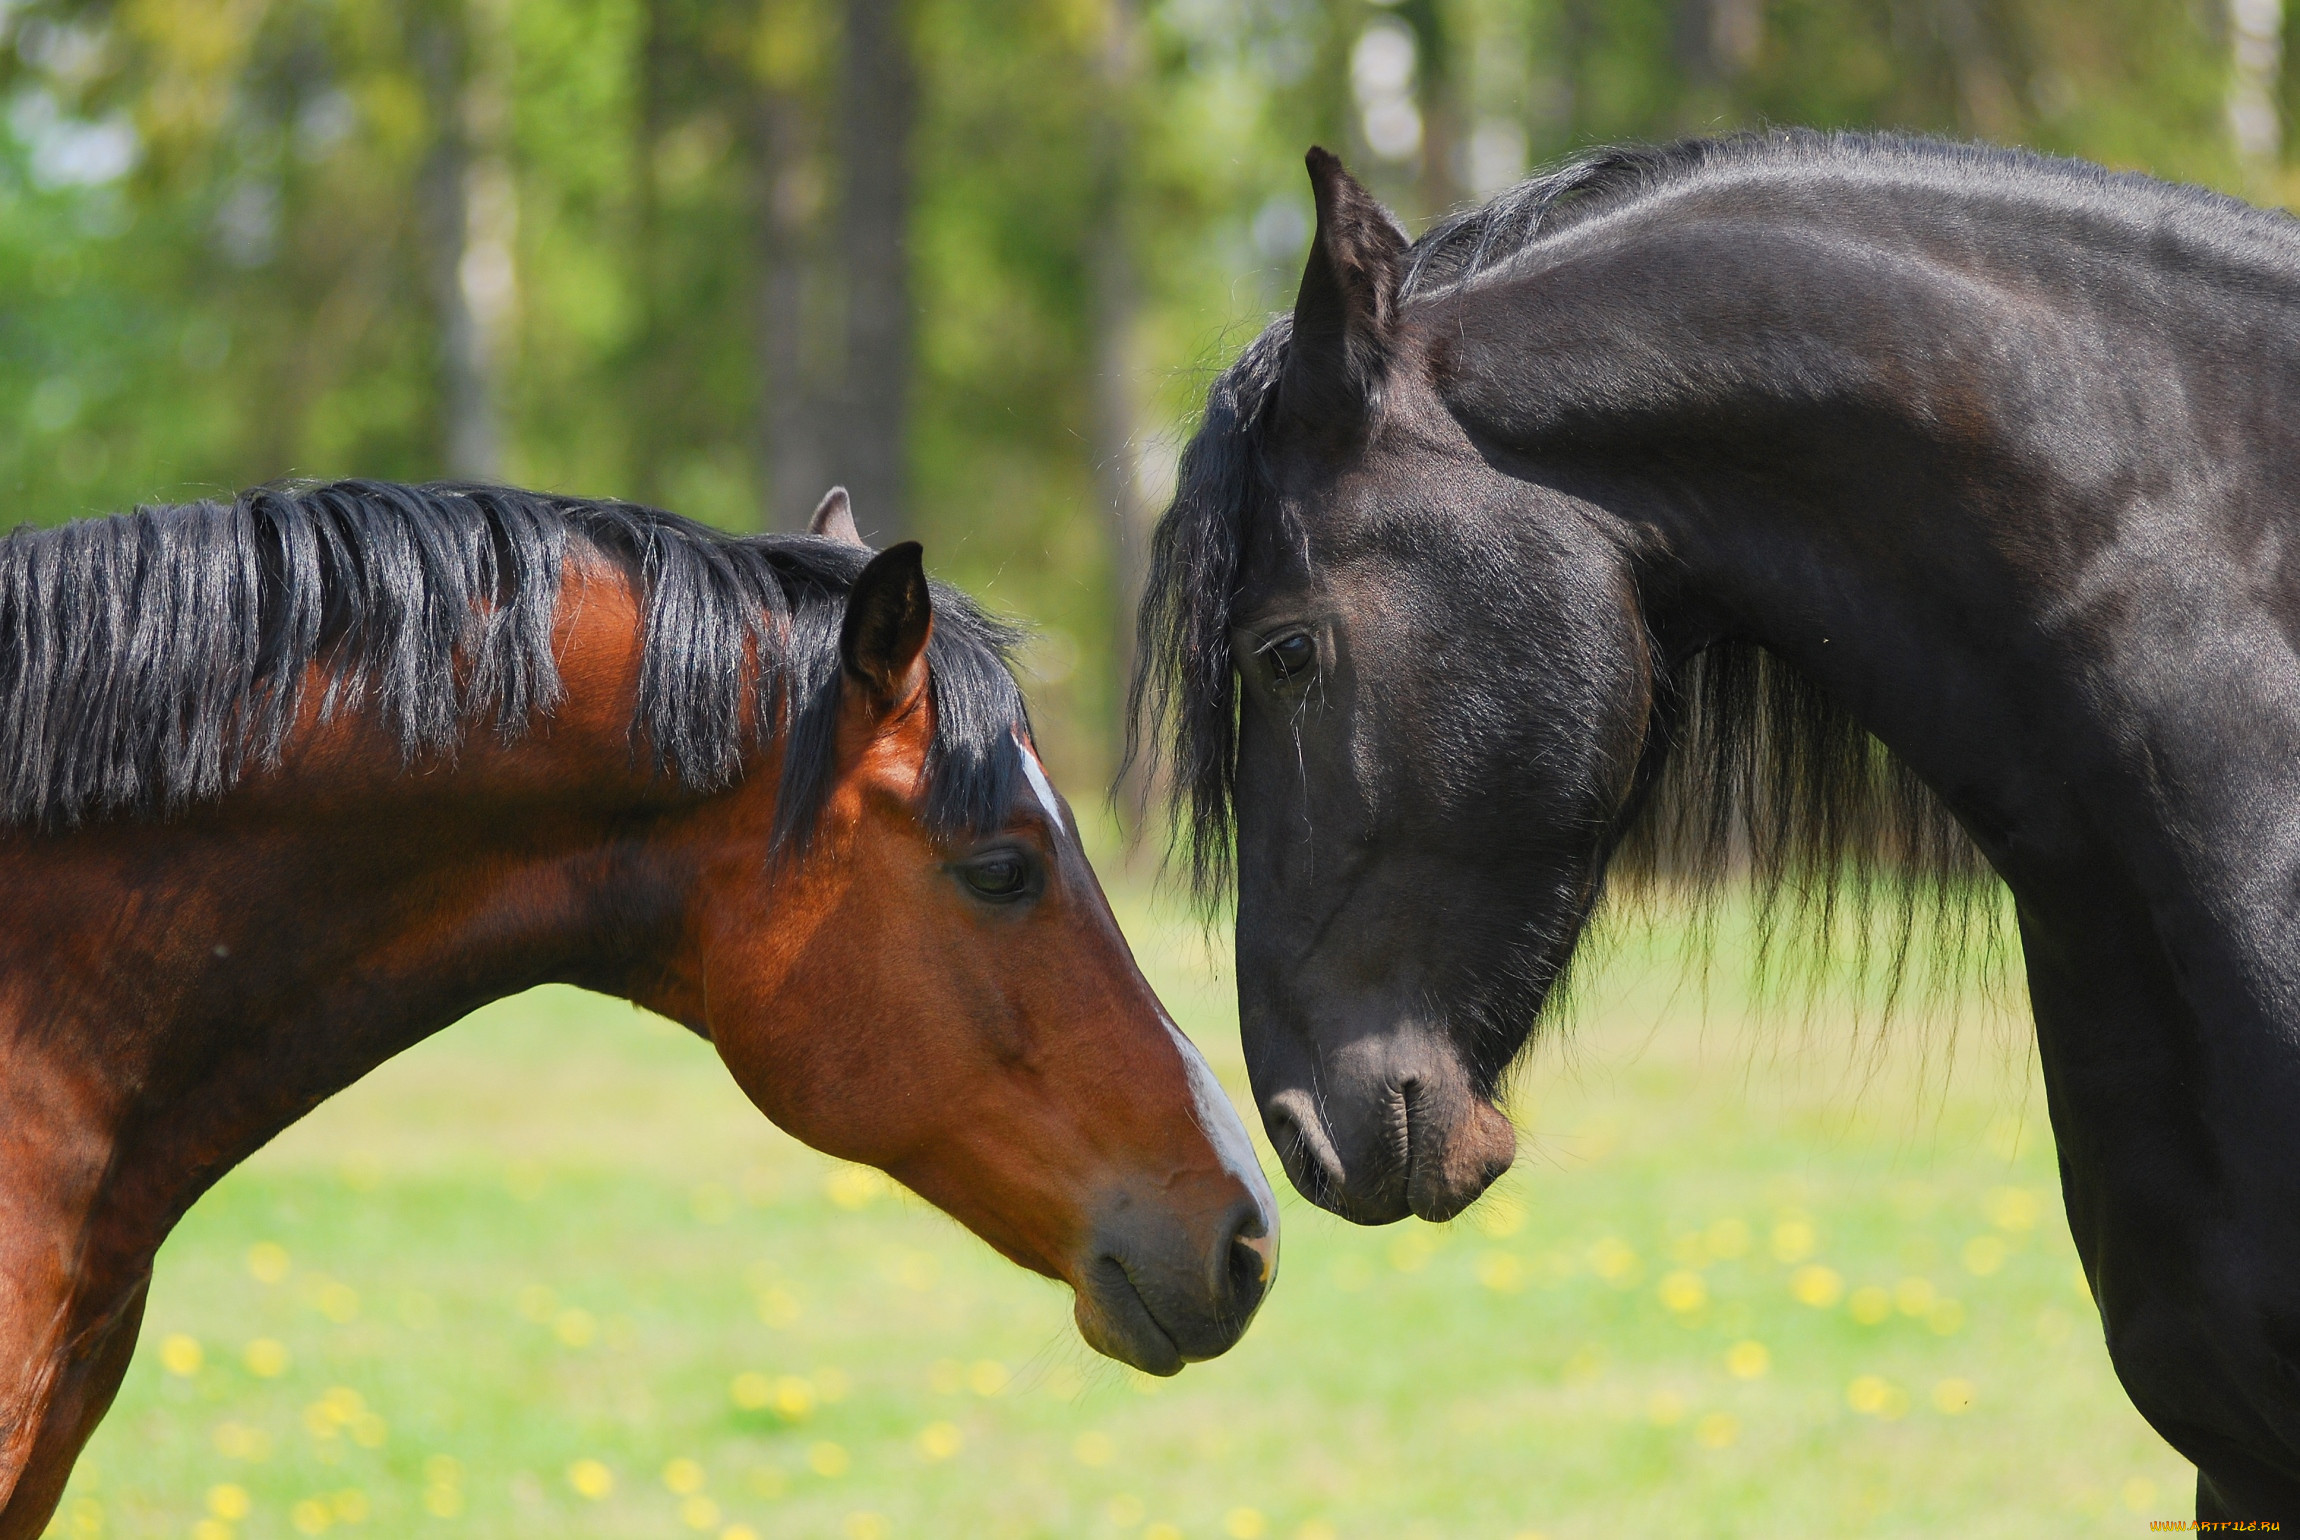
(2014, 482)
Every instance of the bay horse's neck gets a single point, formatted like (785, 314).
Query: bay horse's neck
(2018, 495)
(174, 994)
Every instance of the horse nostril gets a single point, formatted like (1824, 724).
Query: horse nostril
(1251, 1262)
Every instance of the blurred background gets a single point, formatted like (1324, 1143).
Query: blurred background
(1763, 1268)
(976, 260)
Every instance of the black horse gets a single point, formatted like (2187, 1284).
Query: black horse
(1841, 507)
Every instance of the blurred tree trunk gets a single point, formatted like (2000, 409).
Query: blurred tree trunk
(868, 434)
(1437, 92)
(465, 209)
(1717, 44)
(2255, 123)
(793, 454)
(1117, 413)
(650, 386)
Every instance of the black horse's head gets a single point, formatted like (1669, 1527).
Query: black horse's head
(1415, 688)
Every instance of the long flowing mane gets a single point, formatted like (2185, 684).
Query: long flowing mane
(1766, 781)
(148, 661)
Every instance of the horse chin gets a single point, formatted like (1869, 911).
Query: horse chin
(1117, 1324)
(1449, 1177)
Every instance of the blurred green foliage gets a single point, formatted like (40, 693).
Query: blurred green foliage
(213, 251)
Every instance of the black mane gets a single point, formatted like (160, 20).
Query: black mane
(150, 660)
(1766, 779)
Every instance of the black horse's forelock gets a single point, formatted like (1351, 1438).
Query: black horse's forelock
(1182, 706)
(149, 661)
(1764, 781)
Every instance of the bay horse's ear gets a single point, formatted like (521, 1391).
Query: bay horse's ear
(1346, 313)
(834, 519)
(882, 644)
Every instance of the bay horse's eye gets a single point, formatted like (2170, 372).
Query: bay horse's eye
(1292, 657)
(1002, 875)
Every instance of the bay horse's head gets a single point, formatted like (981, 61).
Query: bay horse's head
(1413, 688)
(901, 953)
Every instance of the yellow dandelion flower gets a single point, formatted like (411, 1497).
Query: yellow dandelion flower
(1953, 1396)
(1317, 1529)
(1666, 1409)
(1716, 1431)
(1093, 1448)
(211, 1529)
(1245, 1524)
(1867, 1394)
(1793, 1238)
(699, 1512)
(1501, 1272)
(751, 1390)
(778, 1308)
(684, 1476)
(1161, 1532)
(987, 1378)
(181, 1356)
(1747, 1360)
(828, 1460)
(738, 1532)
(576, 1328)
(866, 1526)
(228, 1502)
(310, 1516)
(442, 1501)
(339, 1302)
(794, 1397)
(1817, 1286)
(939, 1440)
(2013, 1208)
(1983, 1255)
(590, 1479)
(267, 1262)
(266, 1358)
(1498, 1216)
(1615, 1261)
(1870, 1305)
(1684, 1292)
(853, 1187)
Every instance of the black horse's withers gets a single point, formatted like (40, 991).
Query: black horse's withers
(1862, 516)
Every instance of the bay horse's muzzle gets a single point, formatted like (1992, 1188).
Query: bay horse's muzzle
(1159, 1291)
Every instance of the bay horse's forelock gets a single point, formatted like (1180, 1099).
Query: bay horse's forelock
(1825, 437)
(174, 990)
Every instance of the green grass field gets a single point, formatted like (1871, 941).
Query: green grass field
(549, 1275)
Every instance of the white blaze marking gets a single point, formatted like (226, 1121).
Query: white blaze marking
(1040, 784)
(1231, 1142)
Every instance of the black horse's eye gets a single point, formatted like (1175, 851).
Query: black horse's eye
(1004, 875)
(1292, 657)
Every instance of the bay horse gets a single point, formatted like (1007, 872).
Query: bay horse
(290, 782)
(1864, 514)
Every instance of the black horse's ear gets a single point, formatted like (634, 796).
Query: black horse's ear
(834, 519)
(1346, 313)
(882, 644)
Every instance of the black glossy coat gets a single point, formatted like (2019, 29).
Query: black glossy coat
(1995, 456)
